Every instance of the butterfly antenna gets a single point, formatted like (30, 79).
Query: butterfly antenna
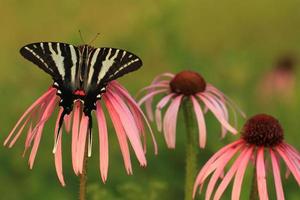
(94, 38)
(81, 37)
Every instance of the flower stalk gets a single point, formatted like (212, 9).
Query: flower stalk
(191, 149)
(254, 191)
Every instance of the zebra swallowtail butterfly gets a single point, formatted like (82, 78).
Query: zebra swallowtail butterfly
(80, 72)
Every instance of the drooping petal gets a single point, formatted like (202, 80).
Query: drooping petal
(235, 145)
(170, 121)
(45, 116)
(103, 142)
(158, 79)
(68, 119)
(11, 144)
(50, 92)
(200, 121)
(277, 177)
(135, 107)
(58, 152)
(221, 107)
(231, 172)
(161, 104)
(129, 126)
(81, 143)
(261, 174)
(224, 159)
(75, 133)
(239, 176)
(150, 95)
(293, 169)
(231, 103)
(217, 114)
(121, 135)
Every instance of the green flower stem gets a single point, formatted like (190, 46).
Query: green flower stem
(254, 191)
(83, 177)
(191, 149)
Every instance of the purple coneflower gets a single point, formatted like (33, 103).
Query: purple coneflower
(187, 89)
(192, 86)
(125, 114)
(262, 134)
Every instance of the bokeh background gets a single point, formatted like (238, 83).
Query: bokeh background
(233, 44)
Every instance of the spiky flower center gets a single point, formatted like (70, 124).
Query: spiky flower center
(187, 83)
(263, 130)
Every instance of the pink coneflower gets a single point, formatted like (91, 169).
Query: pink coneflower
(261, 135)
(125, 114)
(192, 86)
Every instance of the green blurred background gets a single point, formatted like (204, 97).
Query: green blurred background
(232, 43)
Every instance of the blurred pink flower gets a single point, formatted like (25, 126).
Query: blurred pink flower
(262, 134)
(126, 116)
(279, 82)
(190, 85)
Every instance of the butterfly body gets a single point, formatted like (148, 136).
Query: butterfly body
(80, 73)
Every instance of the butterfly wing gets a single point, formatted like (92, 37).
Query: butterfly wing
(57, 59)
(107, 64)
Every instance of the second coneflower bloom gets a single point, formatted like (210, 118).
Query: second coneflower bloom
(262, 139)
(193, 87)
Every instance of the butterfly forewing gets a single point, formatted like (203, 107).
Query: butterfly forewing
(60, 60)
(107, 64)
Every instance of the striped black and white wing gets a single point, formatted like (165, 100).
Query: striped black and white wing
(107, 64)
(57, 59)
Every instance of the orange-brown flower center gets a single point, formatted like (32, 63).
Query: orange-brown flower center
(187, 83)
(263, 130)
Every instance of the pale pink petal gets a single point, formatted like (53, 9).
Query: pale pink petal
(161, 104)
(224, 159)
(129, 126)
(103, 142)
(18, 134)
(121, 135)
(231, 172)
(200, 121)
(48, 111)
(276, 173)
(67, 120)
(289, 162)
(150, 95)
(135, 107)
(214, 165)
(156, 80)
(239, 176)
(217, 114)
(75, 133)
(58, 152)
(231, 103)
(161, 85)
(199, 180)
(170, 121)
(81, 143)
(50, 92)
(261, 174)
(220, 105)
